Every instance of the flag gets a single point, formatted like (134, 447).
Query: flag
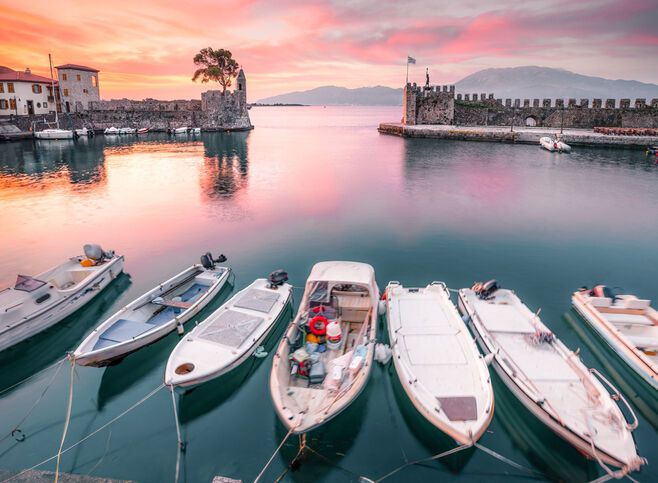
(410, 60)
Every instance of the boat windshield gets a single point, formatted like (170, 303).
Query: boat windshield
(27, 283)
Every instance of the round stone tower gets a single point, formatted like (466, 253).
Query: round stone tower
(242, 84)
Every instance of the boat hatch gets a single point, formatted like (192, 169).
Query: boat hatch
(259, 300)
(27, 283)
(459, 408)
(231, 328)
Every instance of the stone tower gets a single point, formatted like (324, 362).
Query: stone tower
(78, 86)
(241, 88)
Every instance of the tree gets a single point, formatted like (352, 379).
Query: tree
(218, 65)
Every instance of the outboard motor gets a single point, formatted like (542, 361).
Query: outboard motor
(277, 278)
(486, 289)
(209, 263)
(95, 252)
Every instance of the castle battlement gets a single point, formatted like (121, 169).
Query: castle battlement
(440, 104)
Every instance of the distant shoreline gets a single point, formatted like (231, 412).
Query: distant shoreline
(258, 104)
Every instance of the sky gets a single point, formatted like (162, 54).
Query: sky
(144, 48)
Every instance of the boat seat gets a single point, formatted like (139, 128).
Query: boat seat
(643, 342)
(122, 330)
(194, 292)
(628, 319)
(600, 301)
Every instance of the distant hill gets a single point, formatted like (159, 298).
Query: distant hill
(538, 82)
(340, 96)
(527, 82)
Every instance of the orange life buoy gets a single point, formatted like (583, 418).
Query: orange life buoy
(318, 325)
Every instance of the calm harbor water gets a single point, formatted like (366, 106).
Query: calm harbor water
(311, 184)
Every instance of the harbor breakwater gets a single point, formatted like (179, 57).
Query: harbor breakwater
(521, 135)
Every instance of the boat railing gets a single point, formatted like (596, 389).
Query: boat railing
(618, 396)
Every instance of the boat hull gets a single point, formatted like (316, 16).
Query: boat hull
(54, 134)
(622, 350)
(582, 445)
(31, 326)
(108, 355)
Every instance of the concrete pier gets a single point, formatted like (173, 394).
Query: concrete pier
(520, 135)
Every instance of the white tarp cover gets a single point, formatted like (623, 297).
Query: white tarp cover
(259, 300)
(231, 328)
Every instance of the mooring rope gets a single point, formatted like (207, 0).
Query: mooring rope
(422, 460)
(273, 455)
(181, 444)
(16, 429)
(513, 464)
(66, 421)
(110, 422)
(7, 389)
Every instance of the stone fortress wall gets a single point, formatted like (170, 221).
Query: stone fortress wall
(432, 104)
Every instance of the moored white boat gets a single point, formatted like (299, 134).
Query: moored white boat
(36, 303)
(155, 314)
(127, 130)
(143, 130)
(83, 132)
(54, 134)
(437, 361)
(549, 379)
(627, 324)
(195, 130)
(180, 130)
(325, 358)
(556, 144)
(227, 337)
(111, 130)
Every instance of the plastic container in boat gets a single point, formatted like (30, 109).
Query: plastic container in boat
(334, 335)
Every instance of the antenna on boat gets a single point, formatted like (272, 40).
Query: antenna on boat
(52, 88)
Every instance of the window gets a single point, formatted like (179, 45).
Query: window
(3, 104)
(85, 91)
(2, 87)
(36, 88)
(65, 77)
(78, 76)
(66, 92)
(94, 81)
(45, 105)
(38, 104)
(12, 104)
(10, 87)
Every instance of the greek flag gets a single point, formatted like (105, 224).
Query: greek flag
(410, 60)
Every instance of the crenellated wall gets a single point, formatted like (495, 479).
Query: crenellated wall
(440, 105)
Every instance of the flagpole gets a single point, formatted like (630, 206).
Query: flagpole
(407, 71)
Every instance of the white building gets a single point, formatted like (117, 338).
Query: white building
(78, 85)
(23, 93)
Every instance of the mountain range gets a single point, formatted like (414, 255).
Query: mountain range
(527, 82)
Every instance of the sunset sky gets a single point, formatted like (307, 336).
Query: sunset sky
(144, 48)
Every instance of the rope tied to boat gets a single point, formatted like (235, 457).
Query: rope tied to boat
(422, 460)
(274, 454)
(181, 443)
(67, 420)
(69, 448)
(7, 389)
(18, 433)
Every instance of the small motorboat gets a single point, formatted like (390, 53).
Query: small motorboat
(195, 130)
(437, 361)
(35, 303)
(155, 314)
(127, 130)
(549, 379)
(83, 132)
(229, 335)
(556, 144)
(180, 130)
(54, 134)
(627, 324)
(143, 130)
(652, 150)
(111, 130)
(325, 358)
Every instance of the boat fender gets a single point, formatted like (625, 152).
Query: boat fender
(381, 307)
(260, 352)
(318, 325)
(179, 327)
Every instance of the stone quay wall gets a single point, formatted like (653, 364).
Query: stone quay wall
(440, 105)
(215, 111)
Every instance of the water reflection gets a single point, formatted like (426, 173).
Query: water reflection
(74, 162)
(225, 165)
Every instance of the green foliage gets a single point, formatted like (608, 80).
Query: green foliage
(216, 65)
